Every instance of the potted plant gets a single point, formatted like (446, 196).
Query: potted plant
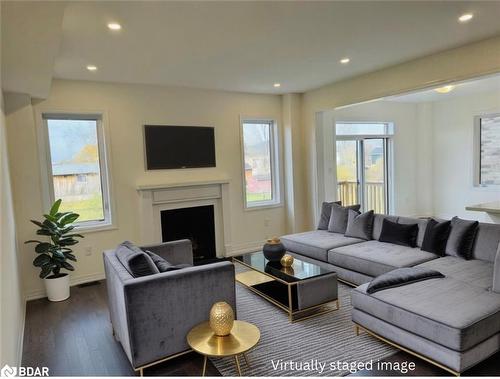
(53, 255)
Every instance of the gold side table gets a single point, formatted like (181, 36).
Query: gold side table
(244, 336)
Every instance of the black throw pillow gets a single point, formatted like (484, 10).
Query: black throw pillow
(399, 234)
(324, 218)
(435, 237)
(461, 239)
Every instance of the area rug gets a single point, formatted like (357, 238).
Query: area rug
(325, 345)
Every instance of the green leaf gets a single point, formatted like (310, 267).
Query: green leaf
(66, 230)
(73, 235)
(68, 219)
(33, 241)
(67, 266)
(43, 247)
(46, 270)
(71, 257)
(55, 208)
(41, 260)
(59, 255)
(43, 232)
(67, 242)
(37, 223)
(49, 217)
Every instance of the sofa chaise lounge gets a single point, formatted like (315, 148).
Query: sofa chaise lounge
(453, 322)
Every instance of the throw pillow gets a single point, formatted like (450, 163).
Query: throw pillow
(399, 234)
(461, 238)
(338, 217)
(136, 261)
(324, 218)
(435, 237)
(163, 265)
(359, 225)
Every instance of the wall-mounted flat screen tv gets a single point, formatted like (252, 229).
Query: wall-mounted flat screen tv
(171, 147)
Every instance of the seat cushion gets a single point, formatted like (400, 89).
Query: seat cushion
(316, 244)
(375, 258)
(475, 272)
(447, 311)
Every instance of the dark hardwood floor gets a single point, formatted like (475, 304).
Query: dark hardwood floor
(74, 338)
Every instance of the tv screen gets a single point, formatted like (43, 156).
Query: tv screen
(169, 147)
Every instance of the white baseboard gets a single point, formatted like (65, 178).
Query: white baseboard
(40, 293)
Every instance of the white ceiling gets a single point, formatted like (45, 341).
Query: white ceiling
(468, 88)
(31, 34)
(244, 46)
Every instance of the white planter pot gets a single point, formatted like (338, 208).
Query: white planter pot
(57, 288)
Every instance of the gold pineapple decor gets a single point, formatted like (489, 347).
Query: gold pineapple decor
(221, 318)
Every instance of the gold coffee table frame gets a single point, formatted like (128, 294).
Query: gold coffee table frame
(244, 336)
(254, 276)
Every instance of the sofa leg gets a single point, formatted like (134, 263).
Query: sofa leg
(357, 329)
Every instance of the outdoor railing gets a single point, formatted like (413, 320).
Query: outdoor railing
(375, 199)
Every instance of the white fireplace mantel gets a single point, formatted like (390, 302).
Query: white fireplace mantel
(157, 197)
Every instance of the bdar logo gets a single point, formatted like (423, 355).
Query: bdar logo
(8, 371)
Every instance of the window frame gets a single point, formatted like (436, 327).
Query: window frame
(102, 144)
(388, 140)
(276, 200)
(477, 152)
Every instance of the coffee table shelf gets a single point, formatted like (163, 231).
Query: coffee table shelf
(304, 290)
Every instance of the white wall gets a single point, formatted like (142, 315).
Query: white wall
(404, 170)
(127, 108)
(456, 64)
(453, 127)
(12, 302)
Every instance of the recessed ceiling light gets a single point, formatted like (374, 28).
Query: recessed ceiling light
(465, 17)
(345, 60)
(276, 85)
(91, 67)
(444, 89)
(114, 26)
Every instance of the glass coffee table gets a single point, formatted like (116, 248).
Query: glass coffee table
(303, 290)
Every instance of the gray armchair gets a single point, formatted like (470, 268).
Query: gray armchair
(151, 315)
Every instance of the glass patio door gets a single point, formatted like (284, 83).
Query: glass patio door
(362, 175)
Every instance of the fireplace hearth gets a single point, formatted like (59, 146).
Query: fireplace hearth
(194, 223)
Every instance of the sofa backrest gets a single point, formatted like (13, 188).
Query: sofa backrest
(486, 242)
(422, 224)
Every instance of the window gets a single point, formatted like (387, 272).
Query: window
(77, 168)
(487, 168)
(363, 161)
(260, 163)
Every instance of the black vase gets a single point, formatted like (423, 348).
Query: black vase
(273, 250)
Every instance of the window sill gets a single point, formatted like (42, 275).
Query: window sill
(263, 206)
(95, 228)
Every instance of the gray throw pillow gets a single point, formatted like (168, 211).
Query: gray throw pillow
(163, 265)
(324, 218)
(338, 217)
(136, 261)
(359, 225)
(461, 239)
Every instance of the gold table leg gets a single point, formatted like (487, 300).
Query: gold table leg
(204, 365)
(246, 359)
(237, 364)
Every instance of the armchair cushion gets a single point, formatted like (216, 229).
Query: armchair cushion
(136, 261)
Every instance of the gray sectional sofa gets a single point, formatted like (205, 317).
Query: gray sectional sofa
(453, 322)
